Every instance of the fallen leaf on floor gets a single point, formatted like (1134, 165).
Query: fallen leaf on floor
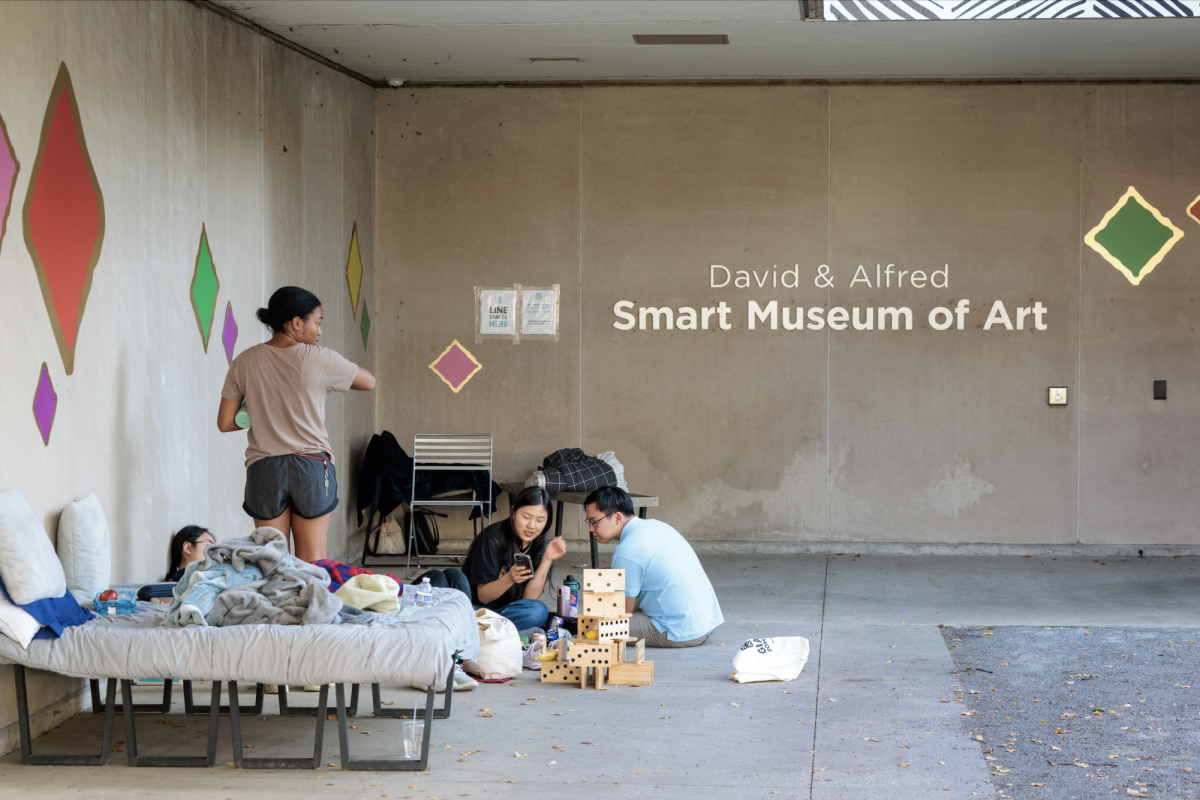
(552, 763)
(353, 727)
(365, 733)
(558, 747)
(486, 714)
(904, 747)
(870, 739)
(386, 703)
(720, 644)
(986, 633)
(968, 713)
(463, 760)
(511, 781)
(905, 764)
(1135, 793)
(662, 704)
(1037, 784)
(585, 742)
(1055, 747)
(736, 705)
(520, 755)
(468, 752)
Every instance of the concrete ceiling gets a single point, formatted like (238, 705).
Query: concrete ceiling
(455, 41)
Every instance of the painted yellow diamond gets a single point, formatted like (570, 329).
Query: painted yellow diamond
(354, 270)
(1134, 236)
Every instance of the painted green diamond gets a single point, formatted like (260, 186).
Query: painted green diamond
(1133, 236)
(205, 286)
(366, 323)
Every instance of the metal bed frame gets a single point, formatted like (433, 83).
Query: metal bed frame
(214, 709)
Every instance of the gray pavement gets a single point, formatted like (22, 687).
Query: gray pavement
(879, 670)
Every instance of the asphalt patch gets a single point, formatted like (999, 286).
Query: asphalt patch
(1078, 713)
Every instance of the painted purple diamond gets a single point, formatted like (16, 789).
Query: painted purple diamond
(45, 402)
(455, 366)
(229, 332)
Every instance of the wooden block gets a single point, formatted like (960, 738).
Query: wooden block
(589, 654)
(603, 580)
(609, 605)
(620, 645)
(606, 628)
(640, 651)
(630, 674)
(559, 672)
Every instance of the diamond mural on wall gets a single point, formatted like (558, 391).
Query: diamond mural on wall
(64, 216)
(354, 270)
(9, 167)
(455, 366)
(1133, 236)
(366, 323)
(1194, 210)
(229, 332)
(45, 403)
(205, 286)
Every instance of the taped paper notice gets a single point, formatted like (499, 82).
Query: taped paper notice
(539, 312)
(497, 312)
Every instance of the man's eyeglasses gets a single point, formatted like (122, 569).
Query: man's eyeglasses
(592, 523)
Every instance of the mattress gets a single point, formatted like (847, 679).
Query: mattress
(412, 644)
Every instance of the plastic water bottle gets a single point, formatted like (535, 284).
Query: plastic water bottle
(424, 594)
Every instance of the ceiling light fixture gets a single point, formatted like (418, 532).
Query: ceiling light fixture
(553, 59)
(681, 38)
(395, 83)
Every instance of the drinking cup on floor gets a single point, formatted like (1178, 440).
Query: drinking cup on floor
(414, 732)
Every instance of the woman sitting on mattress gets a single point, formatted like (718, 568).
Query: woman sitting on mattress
(187, 545)
(509, 561)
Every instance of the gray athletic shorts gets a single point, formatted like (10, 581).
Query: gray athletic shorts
(305, 483)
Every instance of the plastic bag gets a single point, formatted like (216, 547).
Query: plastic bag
(499, 646)
(530, 659)
(776, 659)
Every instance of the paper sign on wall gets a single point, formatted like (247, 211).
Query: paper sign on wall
(498, 312)
(539, 311)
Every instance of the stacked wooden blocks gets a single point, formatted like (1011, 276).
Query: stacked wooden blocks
(612, 656)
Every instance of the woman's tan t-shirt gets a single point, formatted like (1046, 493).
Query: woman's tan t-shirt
(284, 390)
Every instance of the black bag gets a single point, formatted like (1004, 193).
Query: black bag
(425, 530)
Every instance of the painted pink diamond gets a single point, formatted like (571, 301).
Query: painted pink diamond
(455, 366)
(45, 403)
(229, 332)
(9, 167)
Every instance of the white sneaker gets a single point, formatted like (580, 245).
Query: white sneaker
(462, 682)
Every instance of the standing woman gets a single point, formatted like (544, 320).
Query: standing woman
(291, 484)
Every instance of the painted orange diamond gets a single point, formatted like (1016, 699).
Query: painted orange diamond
(455, 366)
(64, 216)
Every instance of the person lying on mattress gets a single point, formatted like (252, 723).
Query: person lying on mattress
(187, 545)
(509, 562)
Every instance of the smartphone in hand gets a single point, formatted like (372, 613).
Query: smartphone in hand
(523, 560)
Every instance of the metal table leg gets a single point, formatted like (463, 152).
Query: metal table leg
(397, 764)
(306, 711)
(235, 725)
(131, 749)
(152, 708)
(404, 713)
(191, 708)
(27, 754)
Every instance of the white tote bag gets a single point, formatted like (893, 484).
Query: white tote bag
(777, 659)
(499, 646)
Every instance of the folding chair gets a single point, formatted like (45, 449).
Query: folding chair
(448, 452)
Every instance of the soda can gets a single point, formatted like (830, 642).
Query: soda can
(555, 622)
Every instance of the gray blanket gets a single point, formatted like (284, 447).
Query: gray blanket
(290, 592)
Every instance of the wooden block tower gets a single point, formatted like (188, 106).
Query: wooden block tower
(609, 654)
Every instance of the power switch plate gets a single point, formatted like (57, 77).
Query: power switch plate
(1160, 390)
(1058, 395)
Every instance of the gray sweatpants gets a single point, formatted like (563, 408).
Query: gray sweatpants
(642, 628)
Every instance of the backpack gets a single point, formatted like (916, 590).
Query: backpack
(425, 529)
(388, 536)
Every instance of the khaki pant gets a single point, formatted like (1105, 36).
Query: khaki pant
(642, 628)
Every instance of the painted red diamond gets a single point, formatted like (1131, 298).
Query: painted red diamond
(1194, 210)
(64, 216)
(455, 366)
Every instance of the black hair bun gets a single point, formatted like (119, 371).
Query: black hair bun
(264, 316)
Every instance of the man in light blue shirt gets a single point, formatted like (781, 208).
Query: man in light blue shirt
(666, 590)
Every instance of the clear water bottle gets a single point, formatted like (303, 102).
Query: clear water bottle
(423, 594)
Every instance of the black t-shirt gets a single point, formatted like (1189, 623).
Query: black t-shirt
(490, 556)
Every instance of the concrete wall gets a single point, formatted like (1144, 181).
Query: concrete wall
(189, 120)
(921, 436)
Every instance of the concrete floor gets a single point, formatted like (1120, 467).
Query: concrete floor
(877, 670)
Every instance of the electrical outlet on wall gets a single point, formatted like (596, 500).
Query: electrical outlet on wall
(1058, 395)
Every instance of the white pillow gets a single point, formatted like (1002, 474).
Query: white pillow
(16, 623)
(28, 565)
(83, 548)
